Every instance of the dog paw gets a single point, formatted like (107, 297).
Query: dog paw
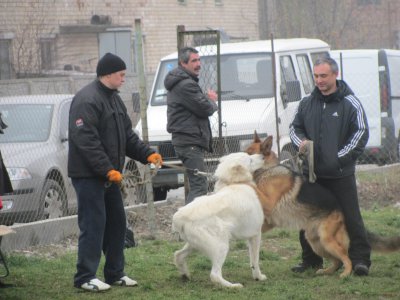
(262, 277)
(320, 272)
(236, 285)
(185, 277)
(344, 274)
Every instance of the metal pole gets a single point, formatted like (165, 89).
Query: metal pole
(180, 29)
(180, 42)
(341, 66)
(220, 138)
(143, 107)
(275, 97)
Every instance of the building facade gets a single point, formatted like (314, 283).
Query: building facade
(42, 37)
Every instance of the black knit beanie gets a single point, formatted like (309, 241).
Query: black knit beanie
(108, 64)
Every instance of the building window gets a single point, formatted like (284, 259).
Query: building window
(367, 2)
(47, 53)
(5, 59)
(218, 3)
(182, 2)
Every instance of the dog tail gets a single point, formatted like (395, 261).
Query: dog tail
(383, 244)
(178, 224)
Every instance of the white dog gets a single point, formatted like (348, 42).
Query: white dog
(234, 211)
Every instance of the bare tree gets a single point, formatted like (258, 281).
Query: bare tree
(26, 45)
(337, 22)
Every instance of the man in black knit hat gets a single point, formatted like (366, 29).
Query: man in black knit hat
(100, 136)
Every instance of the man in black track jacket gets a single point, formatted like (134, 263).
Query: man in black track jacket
(187, 118)
(334, 119)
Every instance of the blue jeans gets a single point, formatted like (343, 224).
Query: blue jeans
(192, 158)
(102, 224)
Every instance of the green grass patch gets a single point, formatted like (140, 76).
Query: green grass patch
(151, 264)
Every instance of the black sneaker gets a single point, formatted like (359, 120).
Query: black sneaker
(303, 266)
(361, 269)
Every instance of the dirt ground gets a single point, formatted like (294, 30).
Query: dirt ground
(372, 193)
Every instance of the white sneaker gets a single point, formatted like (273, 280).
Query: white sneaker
(125, 281)
(95, 285)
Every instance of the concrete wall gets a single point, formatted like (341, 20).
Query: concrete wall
(49, 231)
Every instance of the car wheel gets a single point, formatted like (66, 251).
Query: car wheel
(133, 181)
(53, 201)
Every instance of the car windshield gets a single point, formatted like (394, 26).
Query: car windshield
(244, 76)
(26, 122)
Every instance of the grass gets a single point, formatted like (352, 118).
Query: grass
(151, 265)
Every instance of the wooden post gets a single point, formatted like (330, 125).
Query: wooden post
(143, 108)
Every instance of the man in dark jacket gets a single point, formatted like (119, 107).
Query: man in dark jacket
(100, 136)
(187, 113)
(334, 119)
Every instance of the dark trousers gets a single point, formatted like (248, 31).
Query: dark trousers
(102, 224)
(345, 191)
(192, 158)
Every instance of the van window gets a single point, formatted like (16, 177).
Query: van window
(290, 86)
(159, 96)
(305, 73)
(243, 76)
(246, 76)
(287, 69)
(394, 71)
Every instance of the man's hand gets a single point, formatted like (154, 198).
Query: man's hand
(114, 176)
(155, 159)
(212, 95)
(303, 148)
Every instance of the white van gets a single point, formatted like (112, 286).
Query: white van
(247, 98)
(374, 77)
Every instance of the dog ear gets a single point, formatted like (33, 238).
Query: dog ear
(254, 148)
(266, 146)
(256, 139)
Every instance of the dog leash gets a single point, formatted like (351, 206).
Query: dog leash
(154, 171)
(195, 172)
(126, 177)
(307, 154)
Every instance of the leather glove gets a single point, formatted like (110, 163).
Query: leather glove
(155, 158)
(114, 176)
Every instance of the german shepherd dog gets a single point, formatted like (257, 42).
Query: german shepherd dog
(234, 210)
(324, 228)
